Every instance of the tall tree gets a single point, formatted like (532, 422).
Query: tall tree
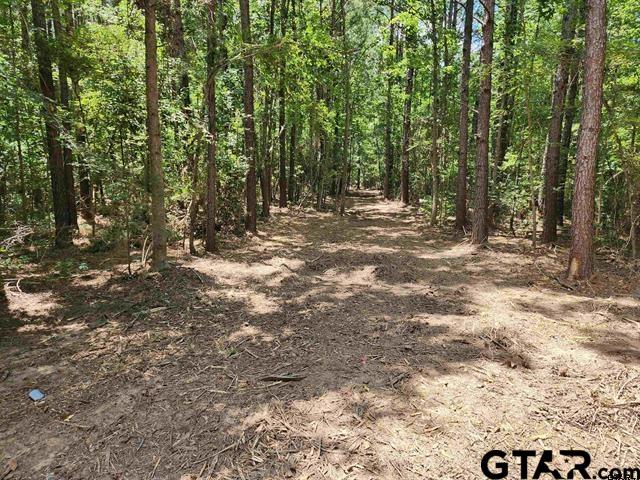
(63, 80)
(582, 232)
(55, 159)
(552, 153)
(506, 96)
(282, 128)
(388, 125)
(346, 139)
(480, 233)
(17, 108)
(406, 133)
(249, 121)
(435, 113)
(156, 173)
(463, 145)
(567, 135)
(212, 171)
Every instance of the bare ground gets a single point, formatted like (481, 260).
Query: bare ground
(364, 347)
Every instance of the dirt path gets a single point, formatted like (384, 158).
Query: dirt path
(412, 355)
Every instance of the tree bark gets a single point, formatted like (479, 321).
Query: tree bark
(55, 159)
(63, 80)
(550, 222)
(581, 253)
(249, 122)
(84, 180)
(506, 95)
(480, 232)
(461, 190)
(212, 171)
(347, 110)
(567, 135)
(17, 108)
(406, 137)
(282, 127)
(158, 216)
(292, 160)
(435, 113)
(388, 127)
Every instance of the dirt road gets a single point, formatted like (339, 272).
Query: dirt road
(364, 347)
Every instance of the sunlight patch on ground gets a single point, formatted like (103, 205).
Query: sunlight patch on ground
(249, 332)
(34, 305)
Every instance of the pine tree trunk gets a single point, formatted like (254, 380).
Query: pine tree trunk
(582, 233)
(461, 190)
(63, 80)
(156, 174)
(435, 114)
(406, 137)
(55, 159)
(212, 171)
(347, 110)
(84, 180)
(480, 232)
(292, 160)
(506, 96)
(249, 122)
(567, 135)
(552, 154)
(282, 127)
(17, 107)
(388, 127)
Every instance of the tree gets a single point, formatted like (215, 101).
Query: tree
(60, 194)
(212, 172)
(346, 139)
(552, 154)
(463, 145)
(388, 126)
(282, 128)
(582, 231)
(567, 135)
(156, 173)
(249, 122)
(63, 80)
(480, 232)
(406, 134)
(435, 113)
(506, 95)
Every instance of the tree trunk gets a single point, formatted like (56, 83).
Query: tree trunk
(158, 218)
(581, 253)
(17, 107)
(506, 96)
(406, 137)
(480, 233)
(461, 190)
(293, 138)
(550, 222)
(282, 127)
(210, 89)
(60, 197)
(63, 80)
(347, 110)
(84, 180)
(634, 216)
(292, 160)
(567, 134)
(388, 144)
(435, 113)
(249, 125)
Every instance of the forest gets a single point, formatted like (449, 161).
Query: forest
(301, 239)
